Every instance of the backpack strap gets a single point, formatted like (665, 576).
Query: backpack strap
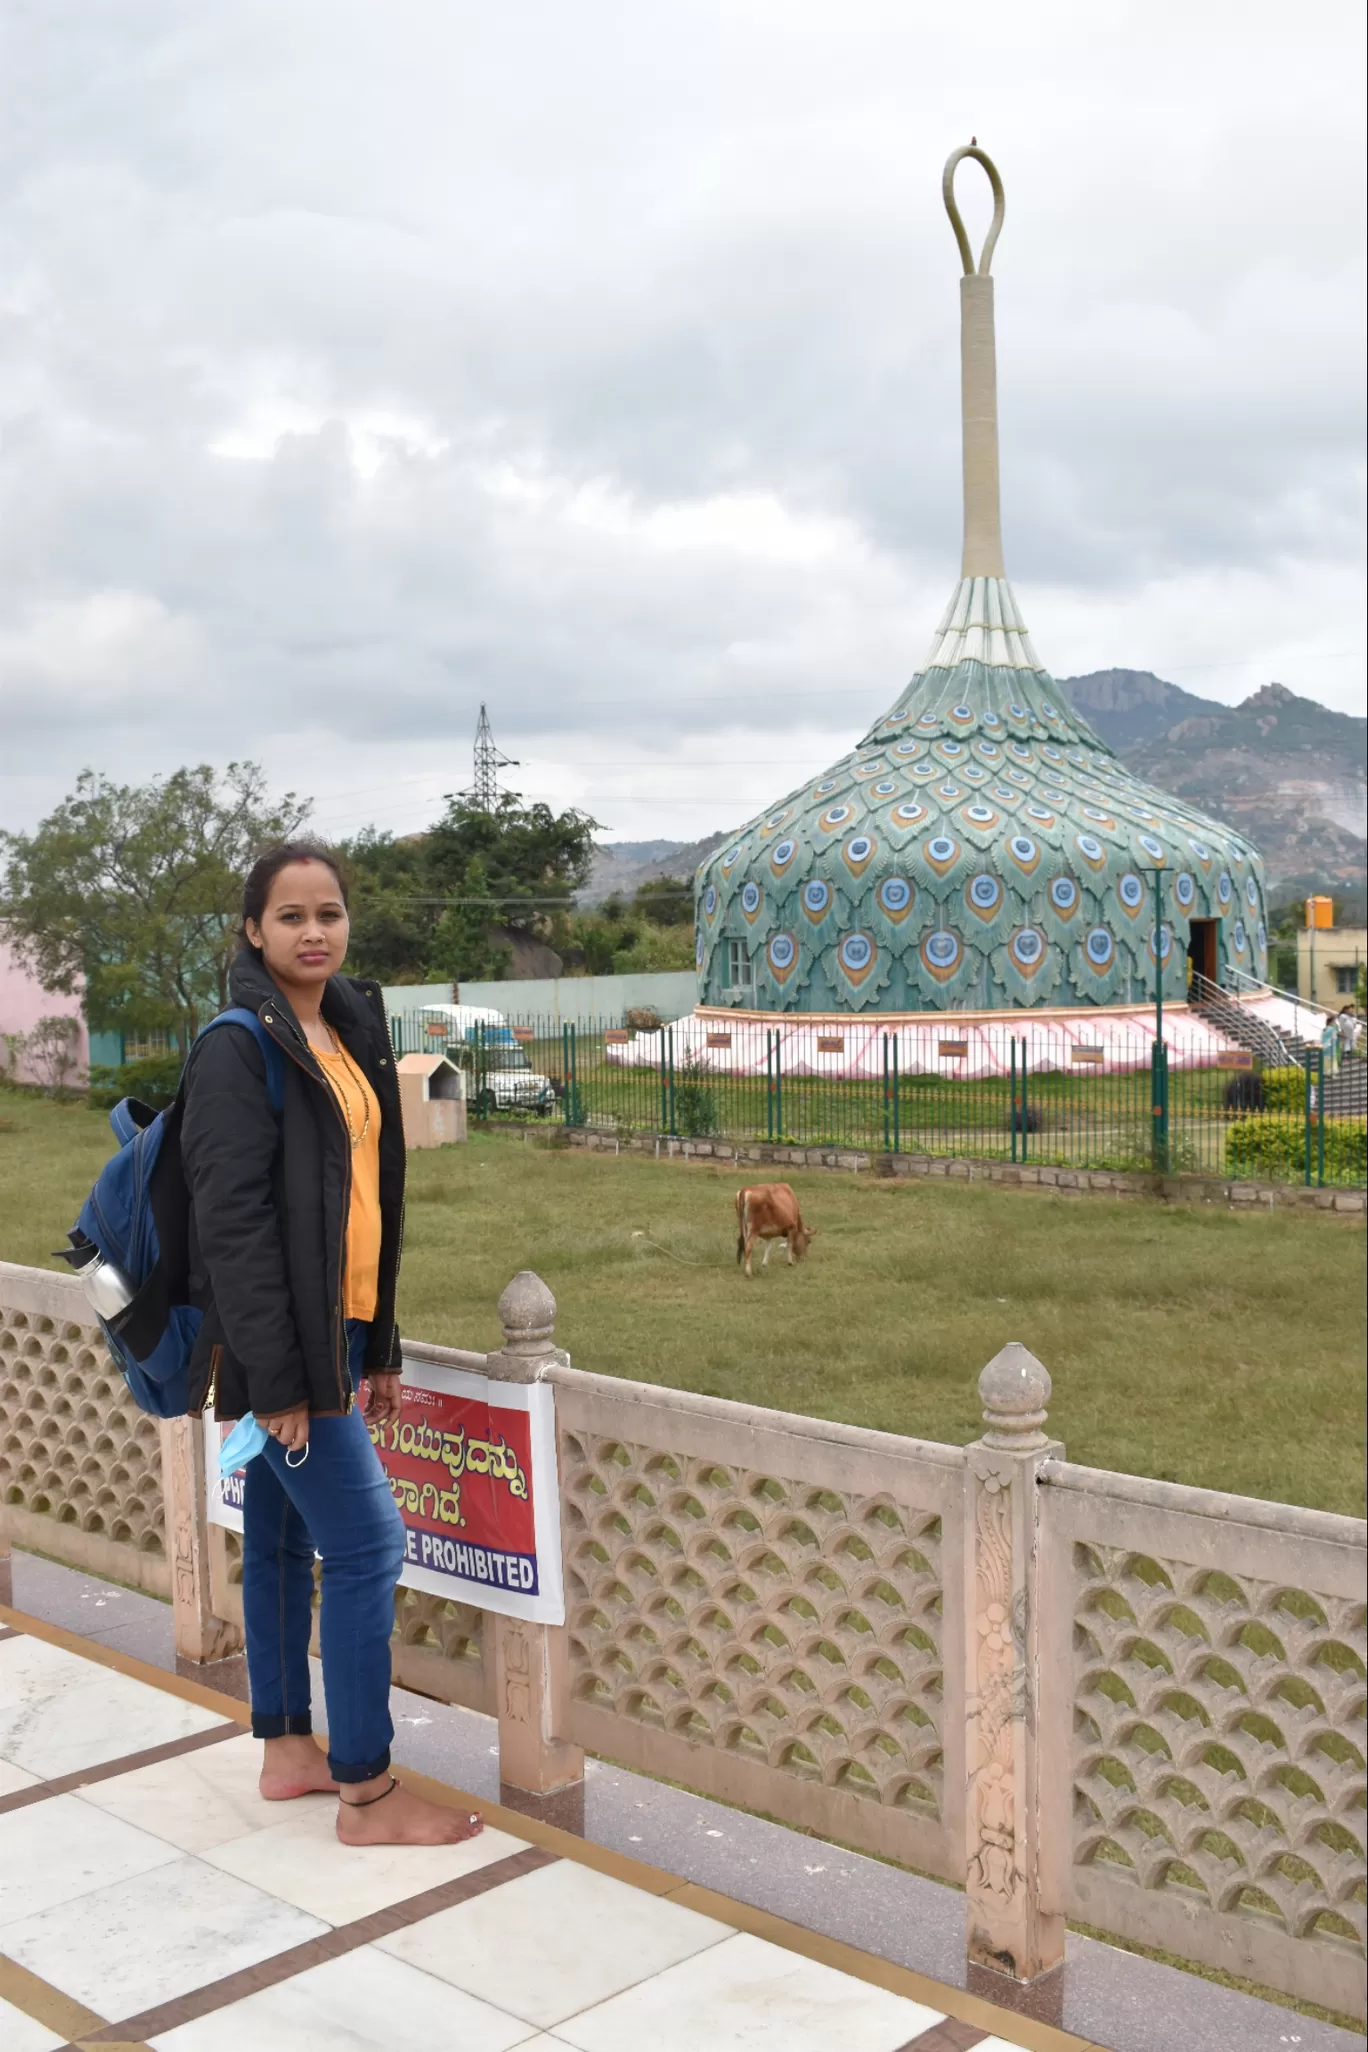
(238, 1015)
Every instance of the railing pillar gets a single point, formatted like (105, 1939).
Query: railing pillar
(531, 1661)
(1007, 1930)
(191, 1542)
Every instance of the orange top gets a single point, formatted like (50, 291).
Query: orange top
(361, 1109)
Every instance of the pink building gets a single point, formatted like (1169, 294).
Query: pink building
(23, 1003)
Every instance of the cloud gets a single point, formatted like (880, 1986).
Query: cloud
(602, 364)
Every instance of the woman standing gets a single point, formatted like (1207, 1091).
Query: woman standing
(296, 1221)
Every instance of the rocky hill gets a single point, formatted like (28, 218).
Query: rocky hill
(1284, 770)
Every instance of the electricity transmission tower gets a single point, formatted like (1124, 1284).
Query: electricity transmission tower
(484, 792)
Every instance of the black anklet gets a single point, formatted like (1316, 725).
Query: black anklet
(371, 1799)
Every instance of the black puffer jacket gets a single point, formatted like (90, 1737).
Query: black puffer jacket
(269, 1202)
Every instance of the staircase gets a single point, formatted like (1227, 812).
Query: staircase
(1346, 1093)
(1227, 1015)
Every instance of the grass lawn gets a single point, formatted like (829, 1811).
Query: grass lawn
(1198, 1345)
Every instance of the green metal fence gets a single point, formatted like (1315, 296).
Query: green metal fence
(1022, 1091)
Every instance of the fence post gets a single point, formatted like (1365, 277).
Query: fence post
(1306, 1148)
(531, 1661)
(1320, 1118)
(190, 1544)
(1008, 1932)
(887, 1108)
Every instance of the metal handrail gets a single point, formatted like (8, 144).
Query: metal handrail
(1276, 990)
(1216, 993)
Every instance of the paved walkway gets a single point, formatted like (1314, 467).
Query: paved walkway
(148, 1896)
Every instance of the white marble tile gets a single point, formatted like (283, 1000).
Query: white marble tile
(58, 1850)
(202, 1799)
(13, 1778)
(1013, 2044)
(126, 1948)
(747, 1995)
(364, 2002)
(59, 1713)
(299, 1859)
(19, 2033)
(554, 1941)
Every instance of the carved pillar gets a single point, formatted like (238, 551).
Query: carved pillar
(531, 1661)
(1008, 1933)
(191, 1542)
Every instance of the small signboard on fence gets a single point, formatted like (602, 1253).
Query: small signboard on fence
(719, 1040)
(1095, 1055)
(616, 1036)
(953, 1050)
(831, 1043)
(471, 1463)
(436, 1029)
(1234, 1058)
(524, 1032)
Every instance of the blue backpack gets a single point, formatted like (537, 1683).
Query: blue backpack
(137, 1217)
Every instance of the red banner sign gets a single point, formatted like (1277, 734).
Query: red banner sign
(471, 1463)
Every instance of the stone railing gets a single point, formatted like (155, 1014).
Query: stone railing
(1206, 1767)
(1078, 1695)
(80, 1464)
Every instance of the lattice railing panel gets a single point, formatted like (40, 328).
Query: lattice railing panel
(73, 1444)
(1219, 1741)
(797, 1626)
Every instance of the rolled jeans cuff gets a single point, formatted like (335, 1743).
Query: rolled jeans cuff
(341, 1771)
(298, 1726)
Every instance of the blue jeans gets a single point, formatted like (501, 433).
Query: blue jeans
(337, 1502)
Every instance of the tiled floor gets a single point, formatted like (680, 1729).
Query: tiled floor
(162, 1903)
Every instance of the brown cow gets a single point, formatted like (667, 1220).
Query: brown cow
(769, 1211)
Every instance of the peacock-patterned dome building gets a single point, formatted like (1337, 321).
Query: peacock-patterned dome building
(981, 848)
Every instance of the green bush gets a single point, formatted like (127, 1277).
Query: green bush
(1284, 1089)
(155, 1080)
(1274, 1149)
(695, 1109)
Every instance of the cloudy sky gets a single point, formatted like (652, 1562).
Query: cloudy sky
(362, 362)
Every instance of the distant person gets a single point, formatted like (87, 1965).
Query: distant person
(1330, 1043)
(1348, 1028)
(295, 1228)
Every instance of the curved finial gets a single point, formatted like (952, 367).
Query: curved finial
(999, 208)
(1014, 1390)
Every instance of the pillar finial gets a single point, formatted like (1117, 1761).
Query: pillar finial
(1014, 1390)
(978, 377)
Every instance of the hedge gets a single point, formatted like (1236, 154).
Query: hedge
(1274, 1149)
(155, 1080)
(1284, 1089)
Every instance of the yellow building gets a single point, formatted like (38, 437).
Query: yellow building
(1329, 959)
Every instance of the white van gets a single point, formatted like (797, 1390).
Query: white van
(483, 1043)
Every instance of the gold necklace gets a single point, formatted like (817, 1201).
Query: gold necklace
(351, 1069)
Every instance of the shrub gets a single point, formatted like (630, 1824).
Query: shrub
(1284, 1089)
(1274, 1149)
(155, 1080)
(694, 1106)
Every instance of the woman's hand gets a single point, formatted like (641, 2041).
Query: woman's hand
(386, 1395)
(291, 1427)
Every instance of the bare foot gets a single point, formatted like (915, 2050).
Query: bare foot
(399, 1818)
(294, 1767)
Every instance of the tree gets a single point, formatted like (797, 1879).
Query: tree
(132, 891)
(535, 859)
(462, 948)
(665, 901)
(422, 906)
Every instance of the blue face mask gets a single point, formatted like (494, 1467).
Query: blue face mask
(243, 1444)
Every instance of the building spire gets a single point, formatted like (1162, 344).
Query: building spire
(978, 379)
